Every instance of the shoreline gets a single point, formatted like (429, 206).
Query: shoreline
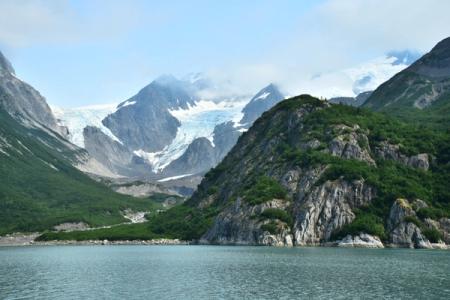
(23, 240)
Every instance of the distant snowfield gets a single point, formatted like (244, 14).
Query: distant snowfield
(197, 121)
(352, 81)
(200, 119)
(76, 119)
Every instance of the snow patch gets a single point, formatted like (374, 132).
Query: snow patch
(127, 103)
(174, 177)
(263, 96)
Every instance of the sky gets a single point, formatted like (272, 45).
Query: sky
(86, 52)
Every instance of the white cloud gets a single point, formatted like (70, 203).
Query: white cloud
(338, 35)
(43, 22)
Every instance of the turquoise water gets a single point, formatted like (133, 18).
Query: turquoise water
(214, 272)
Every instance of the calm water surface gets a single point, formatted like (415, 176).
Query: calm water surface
(213, 272)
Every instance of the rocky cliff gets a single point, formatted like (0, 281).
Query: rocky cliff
(144, 121)
(25, 103)
(309, 172)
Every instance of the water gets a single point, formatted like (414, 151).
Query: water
(213, 272)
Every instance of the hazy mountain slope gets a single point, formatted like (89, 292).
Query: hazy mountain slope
(420, 91)
(261, 102)
(25, 103)
(352, 101)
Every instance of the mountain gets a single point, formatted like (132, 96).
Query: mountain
(422, 89)
(41, 185)
(309, 172)
(261, 102)
(352, 101)
(174, 116)
(166, 130)
(144, 121)
(24, 102)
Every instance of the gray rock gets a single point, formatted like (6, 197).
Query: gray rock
(239, 224)
(350, 143)
(401, 232)
(198, 157)
(112, 154)
(225, 137)
(144, 121)
(328, 207)
(419, 161)
(363, 240)
(24, 103)
(386, 150)
(261, 102)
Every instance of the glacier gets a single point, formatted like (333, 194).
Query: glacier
(197, 121)
(76, 119)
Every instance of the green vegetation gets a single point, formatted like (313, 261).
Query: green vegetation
(363, 223)
(277, 214)
(263, 190)
(431, 213)
(180, 222)
(121, 232)
(271, 227)
(432, 235)
(39, 188)
(391, 179)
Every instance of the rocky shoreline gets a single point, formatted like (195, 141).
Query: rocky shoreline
(29, 240)
(360, 241)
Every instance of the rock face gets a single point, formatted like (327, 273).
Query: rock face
(386, 150)
(350, 143)
(143, 121)
(261, 102)
(199, 156)
(362, 240)
(402, 231)
(225, 137)
(24, 102)
(239, 225)
(326, 208)
(110, 153)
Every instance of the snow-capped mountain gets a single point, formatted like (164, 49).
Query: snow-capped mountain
(176, 127)
(158, 132)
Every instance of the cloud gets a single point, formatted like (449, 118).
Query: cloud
(338, 35)
(44, 22)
